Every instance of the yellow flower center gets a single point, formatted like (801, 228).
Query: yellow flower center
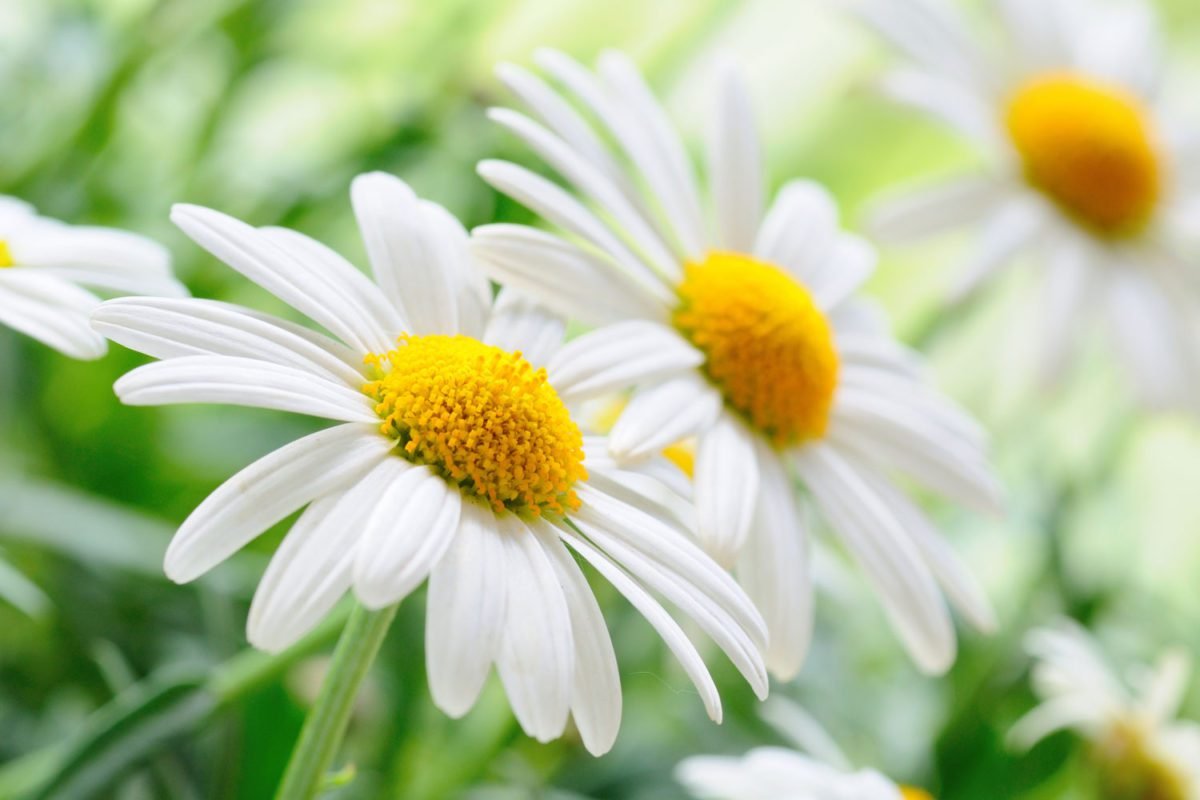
(483, 417)
(768, 347)
(6, 259)
(1090, 148)
(912, 793)
(1129, 768)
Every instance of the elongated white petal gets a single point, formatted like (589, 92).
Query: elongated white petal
(800, 230)
(536, 661)
(411, 523)
(672, 635)
(302, 283)
(518, 323)
(307, 575)
(558, 206)
(1056, 714)
(664, 414)
(1036, 30)
(379, 322)
(172, 328)
(944, 98)
(1122, 44)
(101, 250)
(565, 121)
(650, 140)
(851, 263)
(893, 436)
(619, 356)
(1067, 297)
(466, 611)
(267, 491)
(727, 489)
(735, 165)
(52, 311)
(1015, 225)
(596, 688)
(243, 382)
(724, 613)
(407, 253)
(871, 533)
(776, 567)
(909, 215)
(585, 285)
(957, 581)
(594, 185)
(113, 281)
(1149, 338)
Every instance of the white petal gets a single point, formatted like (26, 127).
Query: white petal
(519, 324)
(1035, 29)
(243, 382)
(909, 215)
(958, 582)
(735, 165)
(776, 568)
(556, 205)
(867, 526)
(800, 230)
(113, 281)
(850, 264)
(307, 575)
(596, 689)
(1147, 335)
(303, 284)
(652, 143)
(620, 356)
(584, 285)
(170, 328)
(727, 489)
(379, 322)
(410, 525)
(407, 253)
(1122, 44)
(267, 491)
(102, 250)
(672, 635)
(594, 185)
(466, 609)
(536, 662)
(664, 414)
(1017, 224)
(1066, 301)
(697, 587)
(944, 98)
(451, 248)
(50, 310)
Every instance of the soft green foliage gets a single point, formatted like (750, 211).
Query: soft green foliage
(266, 109)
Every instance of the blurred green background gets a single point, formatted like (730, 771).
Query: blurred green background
(112, 111)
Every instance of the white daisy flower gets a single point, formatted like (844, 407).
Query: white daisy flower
(44, 265)
(1090, 174)
(744, 334)
(1140, 749)
(777, 773)
(454, 459)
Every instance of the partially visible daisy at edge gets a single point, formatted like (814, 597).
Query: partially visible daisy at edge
(454, 460)
(45, 265)
(745, 334)
(1092, 176)
(1138, 748)
(818, 771)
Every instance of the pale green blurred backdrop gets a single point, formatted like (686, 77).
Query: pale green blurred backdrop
(111, 111)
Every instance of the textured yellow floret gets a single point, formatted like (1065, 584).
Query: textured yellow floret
(1089, 147)
(911, 793)
(483, 417)
(6, 259)
(768, 347)
(1130, 768)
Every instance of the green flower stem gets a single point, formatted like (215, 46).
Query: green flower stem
(327, 720)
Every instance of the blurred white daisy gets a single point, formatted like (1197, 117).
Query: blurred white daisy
(455, 460)
(44, 265)
(1139, 748)
(745, 335)
(777, 773)
(1089, 174)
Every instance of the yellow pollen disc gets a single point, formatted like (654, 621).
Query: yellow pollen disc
(768, 347)
(483, 417)
(6, 259)
(1090, 148)
(911, 793)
